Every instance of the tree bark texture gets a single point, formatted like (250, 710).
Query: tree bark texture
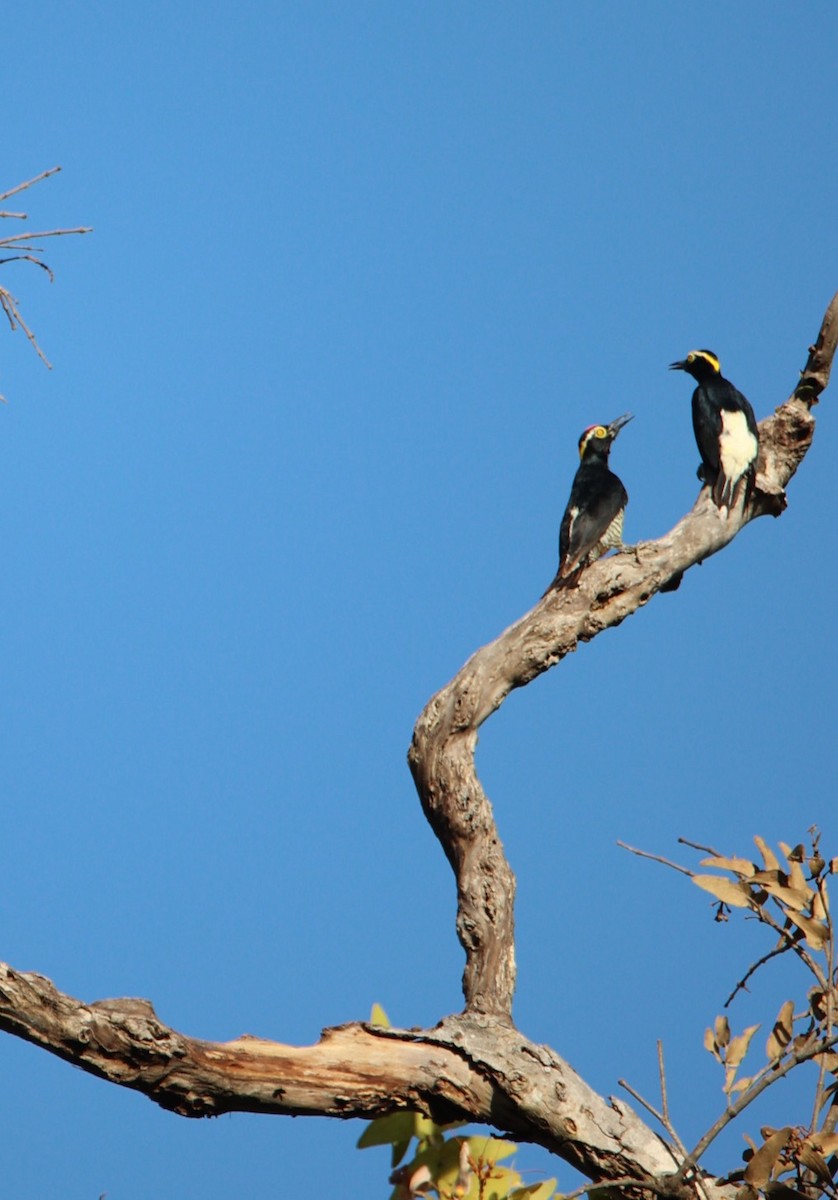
(469, 1068)
(475, 1066)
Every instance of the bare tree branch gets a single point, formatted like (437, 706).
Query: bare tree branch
(21, 243)
(467, 1068)
(21, 187)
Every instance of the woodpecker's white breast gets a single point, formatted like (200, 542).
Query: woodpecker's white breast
(737, 445)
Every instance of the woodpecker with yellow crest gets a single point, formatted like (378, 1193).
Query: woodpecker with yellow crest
(725, 429)
(593, 519)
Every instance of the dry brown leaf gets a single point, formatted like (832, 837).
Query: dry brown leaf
(746, 1193)
(419, 1181)
(814, 1161)
(738, 1047)
(758, 1170)
(464, 1171)
(739, 866)
(796, 877)
(828, 1061)
(710, 1044)
(815, 933)
(826, 1143)
(721, 1030)
(769, 857)
(729, 891)
(776, 1190)
(781, 1034)
(779, 888)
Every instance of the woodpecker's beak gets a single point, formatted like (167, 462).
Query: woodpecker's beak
(678, 366)
(615, 426)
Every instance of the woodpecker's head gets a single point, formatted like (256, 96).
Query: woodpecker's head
(597, 439)
(701, 364)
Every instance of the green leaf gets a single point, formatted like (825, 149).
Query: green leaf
(490, 1149)
(379, 1017)
(535, 1191)
(388, 1131)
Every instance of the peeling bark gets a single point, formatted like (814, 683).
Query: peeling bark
(475, 1066)
(469, 1068)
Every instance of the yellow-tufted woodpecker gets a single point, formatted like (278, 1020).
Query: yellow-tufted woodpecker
(725, 428)
(593, 519)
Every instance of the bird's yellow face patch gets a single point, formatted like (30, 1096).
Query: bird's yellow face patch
(706, 356)
(595, 432)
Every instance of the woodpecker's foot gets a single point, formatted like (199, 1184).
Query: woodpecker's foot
(635, 550)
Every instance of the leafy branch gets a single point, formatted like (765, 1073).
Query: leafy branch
(788, 893)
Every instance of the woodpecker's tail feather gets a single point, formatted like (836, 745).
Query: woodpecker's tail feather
(723, 491)
(560, 581)
(726, 491)
(570, 579)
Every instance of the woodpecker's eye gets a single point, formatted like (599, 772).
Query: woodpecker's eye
(600, 432)
(691, 357)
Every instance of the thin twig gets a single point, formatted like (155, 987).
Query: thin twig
(6, 244)
(794, 943)
(662, 1074)
(22, 243)
(742, 984)
(21, 187)
(635, 1095)
(670, 1128)
(29, 258)
(661, 1117)
(42, 233)
(698, 846)
(10, 308)
(655, 858)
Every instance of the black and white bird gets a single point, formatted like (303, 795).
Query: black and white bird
(593, 519)
(725, 429)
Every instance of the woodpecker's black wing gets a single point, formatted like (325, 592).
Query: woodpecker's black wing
(597, 499)
(727, 437)
(707, 426)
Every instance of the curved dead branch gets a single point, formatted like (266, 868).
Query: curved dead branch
(441, 756)
(468, 1068)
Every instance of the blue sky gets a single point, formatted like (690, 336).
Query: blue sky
(361, 273)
